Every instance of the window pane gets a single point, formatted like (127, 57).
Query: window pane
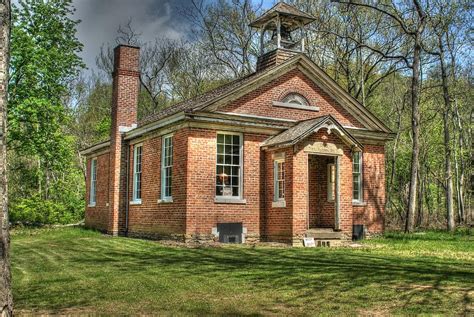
(236, 149)
(167, 166)
(236, 139)
(228, 165)
(220, 138)
(356, 176)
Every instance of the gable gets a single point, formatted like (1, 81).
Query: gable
(322, 84)
(265, 101)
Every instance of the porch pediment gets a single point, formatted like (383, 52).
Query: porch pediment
(305, 128)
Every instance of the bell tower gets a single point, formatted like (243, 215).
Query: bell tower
(282, 34)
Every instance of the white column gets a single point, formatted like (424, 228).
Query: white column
(278, 32)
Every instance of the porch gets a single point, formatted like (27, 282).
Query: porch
(318, 165)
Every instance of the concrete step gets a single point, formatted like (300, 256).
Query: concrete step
(323, 234)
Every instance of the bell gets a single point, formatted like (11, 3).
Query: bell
(286, 40)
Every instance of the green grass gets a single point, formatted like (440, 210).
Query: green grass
(73, 270)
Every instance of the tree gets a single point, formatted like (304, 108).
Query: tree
(44, 61)
(408, 18)
(6, 300)
(223, 28)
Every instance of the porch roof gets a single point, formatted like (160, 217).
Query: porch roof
(305, 128)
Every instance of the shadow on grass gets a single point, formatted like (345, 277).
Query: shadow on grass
(322, 277)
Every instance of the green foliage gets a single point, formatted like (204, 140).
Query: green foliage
(43, 63)
(36, 211)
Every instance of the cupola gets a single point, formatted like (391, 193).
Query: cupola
(282, 33)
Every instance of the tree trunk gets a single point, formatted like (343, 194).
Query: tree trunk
(447, 140)
(415, 125)
(6, 300)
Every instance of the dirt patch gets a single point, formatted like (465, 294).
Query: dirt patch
(74, 311)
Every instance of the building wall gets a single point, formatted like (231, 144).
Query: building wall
(302, 192)
(97, 217)
(193, 212)
(153, 218)
(202, 212)
(278, 219)
(372, 212)
(321, 211)
(259, 101)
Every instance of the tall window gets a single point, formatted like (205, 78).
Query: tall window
(229, 165)
(166, 167)
(357, 176)
(331, 181)
(279, 179)
(137, 173)
(93, 188)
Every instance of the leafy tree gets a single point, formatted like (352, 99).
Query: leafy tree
(44, 61)
(6, 299)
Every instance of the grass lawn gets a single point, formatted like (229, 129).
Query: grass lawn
(74, 270)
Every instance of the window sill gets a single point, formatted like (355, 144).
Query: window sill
(222, 200)
(136, 202)
(359, 203)
(294, 106)
(165, 200)
(91, 206)
(279, 204)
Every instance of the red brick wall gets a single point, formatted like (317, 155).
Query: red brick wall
(321, 211)
(97, 217)
(124, 114)
(372, 212)
(202, 212)
(259, 101)
(278, 220)
(152, 218)
(301, 190)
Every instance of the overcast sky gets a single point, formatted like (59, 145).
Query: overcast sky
(153, 18)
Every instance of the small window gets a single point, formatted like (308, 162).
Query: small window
(229, 165)
(137, 173)
(331, 181)
(93, 188)
(279, 180)
(296, 99)
(166, 167)
(357, 176)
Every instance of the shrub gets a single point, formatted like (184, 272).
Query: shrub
(37, 211)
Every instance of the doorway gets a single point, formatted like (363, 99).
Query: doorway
(322, 191)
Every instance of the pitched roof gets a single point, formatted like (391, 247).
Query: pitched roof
(193, 103)
(305, 128)
(207, 101)
(282, 8)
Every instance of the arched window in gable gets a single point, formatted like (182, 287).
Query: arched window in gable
(295, 98)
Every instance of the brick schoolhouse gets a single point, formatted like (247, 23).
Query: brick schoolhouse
(281, 154)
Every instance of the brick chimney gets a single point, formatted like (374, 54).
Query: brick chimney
(125, 92)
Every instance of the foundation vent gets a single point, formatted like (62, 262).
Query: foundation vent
(230, 232)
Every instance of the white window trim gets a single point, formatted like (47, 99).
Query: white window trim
(164, 198)
(277, 201)
(360, 199)
(135, 200)
(330, 193)
(232, 199)
(92, 171)
(294, 106)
